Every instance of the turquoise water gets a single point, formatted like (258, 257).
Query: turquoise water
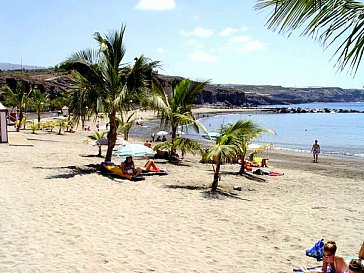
(338, 133)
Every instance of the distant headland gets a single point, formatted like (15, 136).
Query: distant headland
(54, 81)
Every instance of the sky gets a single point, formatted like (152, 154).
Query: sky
(226, 42)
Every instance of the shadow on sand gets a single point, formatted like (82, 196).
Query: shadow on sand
(218, 194)
(72, 171)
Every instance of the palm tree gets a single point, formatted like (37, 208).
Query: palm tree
(39, 101)
(185, 145)
(231, 143)
(62, 125)
(125, 124)
(177, 111)
(95, 137)
(19, 98)
(327, 20)
(106, 84)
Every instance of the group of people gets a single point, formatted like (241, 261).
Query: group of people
(158, 139)
(336, 264)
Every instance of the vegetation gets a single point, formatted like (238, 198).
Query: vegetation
(39, 101)
(34, 127)
(125, 124)
(231, 145)
(185, 145)
(328, 21)
(18, 99)
(177, 111)
(105, 84)
(95, 137)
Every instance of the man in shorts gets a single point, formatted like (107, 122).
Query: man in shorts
(315, 151)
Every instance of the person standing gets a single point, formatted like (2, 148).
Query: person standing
(315, 150)
(152, 136)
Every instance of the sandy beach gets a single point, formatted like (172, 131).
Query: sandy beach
(59, 214)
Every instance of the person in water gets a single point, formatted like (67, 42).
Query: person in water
(330, 262)
(315, 150)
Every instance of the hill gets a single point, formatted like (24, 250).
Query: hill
(224, 95)
(9, 66)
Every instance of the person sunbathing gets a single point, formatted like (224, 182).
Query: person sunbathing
(151, 167)
(128, 167)
(174, 157)
(361, 252)
(330, 262)
(355, 266)
(147, 143)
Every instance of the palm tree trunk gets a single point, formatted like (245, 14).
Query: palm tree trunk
(99, 155)
(38, 119)
(20, 120)
(242, 168)
(174, 132)
(111, 135)
(215, 183)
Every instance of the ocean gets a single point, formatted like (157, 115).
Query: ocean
(339, 134)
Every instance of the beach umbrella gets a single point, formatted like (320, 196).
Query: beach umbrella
(162, 133)
(132, 149)
(103, 141)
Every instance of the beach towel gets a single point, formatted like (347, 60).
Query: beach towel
(316, 250)
(307, 269)
(275, 173)
(155, 172)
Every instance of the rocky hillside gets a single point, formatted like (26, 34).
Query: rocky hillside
(229, 95)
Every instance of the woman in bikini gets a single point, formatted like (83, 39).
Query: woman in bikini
(330, 262)
(129, 167)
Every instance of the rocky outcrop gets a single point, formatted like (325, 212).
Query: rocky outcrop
(225, 95)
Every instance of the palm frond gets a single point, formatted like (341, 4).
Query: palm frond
(327, 21)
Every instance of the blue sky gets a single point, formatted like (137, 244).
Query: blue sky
(221, 41)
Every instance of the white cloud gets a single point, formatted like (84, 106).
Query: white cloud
(199, 32)
(192, 43)
(160, 50)
(202, 56)
(246, 44)
(156, 4)
(228, 31)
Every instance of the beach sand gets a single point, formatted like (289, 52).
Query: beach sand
(58, 214)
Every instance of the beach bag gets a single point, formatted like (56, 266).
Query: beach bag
(316, 250)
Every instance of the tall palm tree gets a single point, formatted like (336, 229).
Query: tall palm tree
(111, 86)
(327, 20)
(39, 101)
(232, 143)
(177, 111)
(19, 98)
